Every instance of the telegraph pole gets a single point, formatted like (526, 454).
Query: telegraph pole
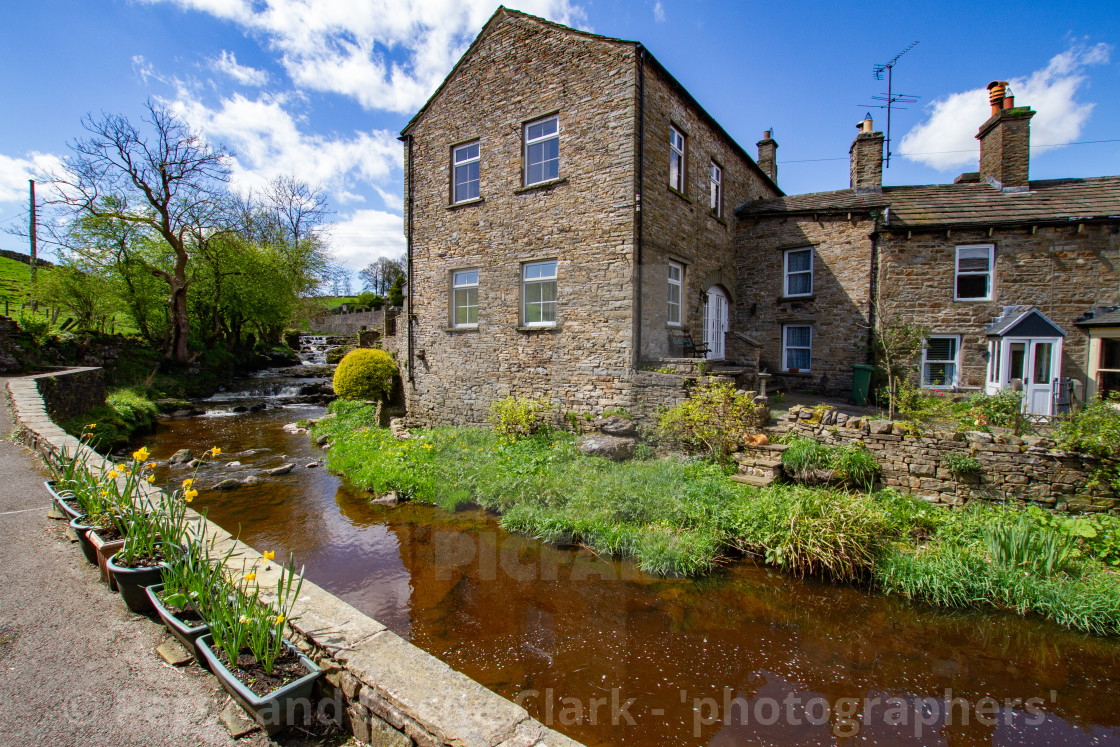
(34, 243)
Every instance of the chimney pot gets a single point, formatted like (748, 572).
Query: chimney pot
(768, 155)
(1005, 141)
(867, 159)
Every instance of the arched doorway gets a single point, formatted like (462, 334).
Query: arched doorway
(715, 323)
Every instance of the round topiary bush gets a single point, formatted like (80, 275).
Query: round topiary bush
(366, 373)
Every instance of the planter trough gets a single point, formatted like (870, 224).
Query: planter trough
(83, 530)
(272, 711)
(64, 502)
(105, 550)
(131, 583)
(182, 631)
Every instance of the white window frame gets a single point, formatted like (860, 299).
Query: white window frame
(461, 283)
(786, 346)
(955, 361)
(456, 164)
(526, 282)
(677, 147)
(990, 272)
(544, 138)
(786, 274)
(715, 185)
(677, 305)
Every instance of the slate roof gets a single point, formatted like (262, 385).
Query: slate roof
(949, 205)
(1107, 319)
(1026, 321)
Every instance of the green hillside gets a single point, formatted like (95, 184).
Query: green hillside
(15, 277)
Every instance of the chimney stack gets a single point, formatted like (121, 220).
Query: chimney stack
(768, 155)
(867, 159)
(1005, 141)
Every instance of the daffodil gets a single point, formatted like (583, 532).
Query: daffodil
(188, 483)
(279, 619)
(190, 495)
(122, 468)
(215, 451)
(243, 620)
(141, 454)
(91, 426)
(112, 474)
(151, 479)
(251, 576)
(269, 554)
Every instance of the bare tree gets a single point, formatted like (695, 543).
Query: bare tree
(164, 177)
(378, 276)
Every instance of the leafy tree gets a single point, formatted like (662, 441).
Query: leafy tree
(378, 277)
(396, 292)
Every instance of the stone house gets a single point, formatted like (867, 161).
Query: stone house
(569, 215)
(998, 269)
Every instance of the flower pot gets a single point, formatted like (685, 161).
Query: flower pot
(82, 530)
(132, 581)
(186, 635)
(271, 711)
(64, 502)
(105, 550)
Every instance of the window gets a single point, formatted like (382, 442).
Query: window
(542, 150)
(464, 298)
(940, 365)
(676, 275)
(974, 272)
(676, 159)
(539, 292)
(465, 159)
(797, 347)
(798, 272)
(716, 184)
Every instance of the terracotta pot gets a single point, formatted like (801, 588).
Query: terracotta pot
(271, 711)
(64, 502)
(82, 530)
(187, 635)
(105, 550)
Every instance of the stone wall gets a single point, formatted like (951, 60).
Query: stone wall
(523, 70)
(837, 311)
(391, 692)
(70, 392)
(1027, 468)
(348, 324)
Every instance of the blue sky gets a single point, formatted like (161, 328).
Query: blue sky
(320, 88)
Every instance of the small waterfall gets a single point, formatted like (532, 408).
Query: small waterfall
(313, 350)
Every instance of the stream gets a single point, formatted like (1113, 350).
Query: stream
(748, 656)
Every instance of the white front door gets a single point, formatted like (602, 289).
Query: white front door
(1041, 368)
(715, 323)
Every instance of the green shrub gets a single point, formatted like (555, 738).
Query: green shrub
(961, 464)
(519, 416)
(125, 412)
(335, 355)
(396, 292)
(810, 461)
(366, 374)
(1026, 545)
(1095, 429)
(714, 417)
(1001, 410)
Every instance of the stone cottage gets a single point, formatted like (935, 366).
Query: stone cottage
(1002, 271)
(569, 215)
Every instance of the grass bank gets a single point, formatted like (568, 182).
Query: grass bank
(126, 411)
(684, 517)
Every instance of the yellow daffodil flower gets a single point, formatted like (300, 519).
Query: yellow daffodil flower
(188, 483)
(112, 474)
(122, 468)
(269, 554)
(141, 454)
(190, 495)
(243, 620)
(215, 451)
(251, 576)
(91, 426)
(279, 619)
(151, 479)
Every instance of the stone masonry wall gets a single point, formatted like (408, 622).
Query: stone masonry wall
(1025, 468)
(71, 392)
(348, 324)
(682, 227)
(837, 311)
(391, 693)
(1061, 270)
(521, 71)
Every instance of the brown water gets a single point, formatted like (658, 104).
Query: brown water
(567, 633)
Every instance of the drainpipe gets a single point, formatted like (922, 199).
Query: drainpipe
(873, 288)
(638, 205)
(411, 278)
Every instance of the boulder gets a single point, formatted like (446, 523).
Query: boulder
(182, 456)
(234, 465)
(294, 428)
(251, 480)
(881, 426)
(611, 447)
(311, 465)
(230, 483)
(322, 440)
(392, 498)
(615, 425)
(281, 470)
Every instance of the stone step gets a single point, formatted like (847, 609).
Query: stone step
(758, 482)
(759, 462)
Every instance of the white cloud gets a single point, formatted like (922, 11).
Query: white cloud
(247, 76)
(269, 141)
(14, 173)
(946, 140)
(385, 54)
(366, 235)
(658, 12)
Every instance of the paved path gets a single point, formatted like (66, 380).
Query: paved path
(76, 667)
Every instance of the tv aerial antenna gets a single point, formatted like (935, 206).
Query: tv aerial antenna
(891, 99)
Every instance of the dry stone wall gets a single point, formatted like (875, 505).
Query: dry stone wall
(1027, 468)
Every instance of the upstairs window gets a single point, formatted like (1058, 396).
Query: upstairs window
(676, 159)
(465, 161)
(974, 272)
(676, 276)
(798, 273)
(542, 150)
(464, 298)
(715, 182)
(941, 361)
(539, 293)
